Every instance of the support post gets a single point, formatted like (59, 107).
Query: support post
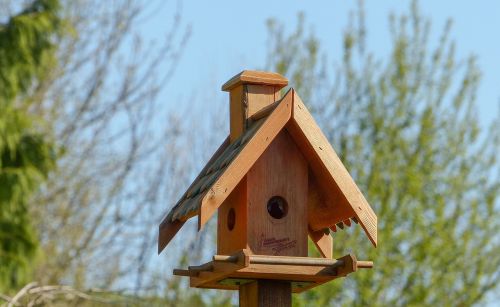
(266, 293)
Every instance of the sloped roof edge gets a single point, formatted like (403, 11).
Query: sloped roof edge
(242, 163)
(333, 167)
(213, 197)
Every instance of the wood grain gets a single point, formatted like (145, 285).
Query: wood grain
(328, 168)
(242, 163)
(237, 112)
(230, 241)
(259, 97)
(323, 242)
(326, 204)
(255, 77)
(280, 171)
(266, 293)
(296, 269)
(248, 295)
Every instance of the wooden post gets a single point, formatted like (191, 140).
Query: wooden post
(266, 293)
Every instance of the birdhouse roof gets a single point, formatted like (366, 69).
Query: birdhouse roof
(232, 161)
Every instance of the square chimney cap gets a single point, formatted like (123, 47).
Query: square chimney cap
(255, 77)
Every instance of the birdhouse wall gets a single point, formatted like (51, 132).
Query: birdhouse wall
(282, 172)
(233, 238)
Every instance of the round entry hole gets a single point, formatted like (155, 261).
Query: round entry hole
(277, 207)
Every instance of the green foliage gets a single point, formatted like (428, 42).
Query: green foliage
(407, 130)
(26, 157)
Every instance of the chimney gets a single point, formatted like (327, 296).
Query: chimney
(249, 92)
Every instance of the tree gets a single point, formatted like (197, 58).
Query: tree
(27, 53)
(407, 129)
(115, 143)
(118, 142)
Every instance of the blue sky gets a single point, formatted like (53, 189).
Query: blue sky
(229, 36)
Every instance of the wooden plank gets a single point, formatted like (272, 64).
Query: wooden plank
(232, 240)
(220, 269)
(266, 293)
(237, 112)
(323, 242)
(259, 97)
(274, 293)
(285, 272)
(248, 294)
(327, 165)
(242, 163)
(255, 77)
(280, 171)
(218, 286)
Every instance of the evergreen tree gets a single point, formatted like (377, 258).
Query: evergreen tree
(406, 127)
(26, 156)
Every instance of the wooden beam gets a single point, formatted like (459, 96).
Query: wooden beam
(237, 112)
(255, 77)
(323, 242)
(248, 295)
(266, 293)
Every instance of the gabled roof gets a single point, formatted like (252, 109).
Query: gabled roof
(231, 162)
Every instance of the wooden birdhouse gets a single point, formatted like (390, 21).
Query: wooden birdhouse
(274, 182)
